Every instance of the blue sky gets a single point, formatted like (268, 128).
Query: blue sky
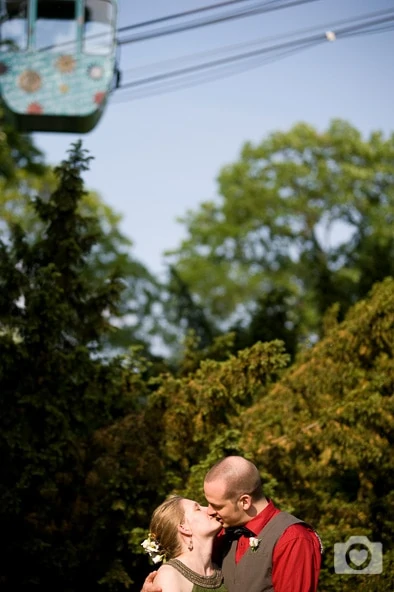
(159, 156)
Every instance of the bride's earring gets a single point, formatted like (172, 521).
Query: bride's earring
(190, 545)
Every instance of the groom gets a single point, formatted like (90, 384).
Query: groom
(279, 552)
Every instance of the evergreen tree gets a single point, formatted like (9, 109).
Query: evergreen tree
(56, 388)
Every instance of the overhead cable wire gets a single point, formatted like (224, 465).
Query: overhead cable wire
(373, 31)
(245, 55)
(257, 42)
(279, 51)
(213, 63)
(183, 14)
(204, 77)
(196, 24)
(159, 20)
(259, 8)
(363, 29)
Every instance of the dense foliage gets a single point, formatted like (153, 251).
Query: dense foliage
(55, 389)
(91, 443)
(303, 220)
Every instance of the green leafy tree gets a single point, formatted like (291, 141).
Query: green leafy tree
(321, 430)
(325, 433)
(57, 390)
(272, 232)
(206, 402)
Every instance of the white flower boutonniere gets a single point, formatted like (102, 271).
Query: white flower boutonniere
(254, 543)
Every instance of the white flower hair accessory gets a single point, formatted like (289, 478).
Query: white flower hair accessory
(152, 547)
(254, 543)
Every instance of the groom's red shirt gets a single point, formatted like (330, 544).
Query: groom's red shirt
(297, 554)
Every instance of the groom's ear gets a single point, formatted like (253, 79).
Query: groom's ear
(245, 501)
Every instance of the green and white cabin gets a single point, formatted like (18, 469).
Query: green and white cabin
(57, 62)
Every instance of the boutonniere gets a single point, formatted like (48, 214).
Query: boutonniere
(254, 543)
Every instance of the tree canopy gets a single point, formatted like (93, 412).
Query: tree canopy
(303, 220)
(55, 391)
(321, 430)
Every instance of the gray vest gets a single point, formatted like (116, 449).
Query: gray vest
(253, 572)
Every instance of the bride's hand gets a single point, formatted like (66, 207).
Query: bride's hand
(149, 585)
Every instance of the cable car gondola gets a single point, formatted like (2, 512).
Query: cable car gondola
(57, 62)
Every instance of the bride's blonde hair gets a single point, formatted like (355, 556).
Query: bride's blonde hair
(164, 526)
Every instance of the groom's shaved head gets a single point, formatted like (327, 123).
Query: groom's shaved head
(239, 475)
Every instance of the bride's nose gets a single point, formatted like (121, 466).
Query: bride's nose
(211, 511)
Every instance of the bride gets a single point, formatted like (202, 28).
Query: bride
(181, 535)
